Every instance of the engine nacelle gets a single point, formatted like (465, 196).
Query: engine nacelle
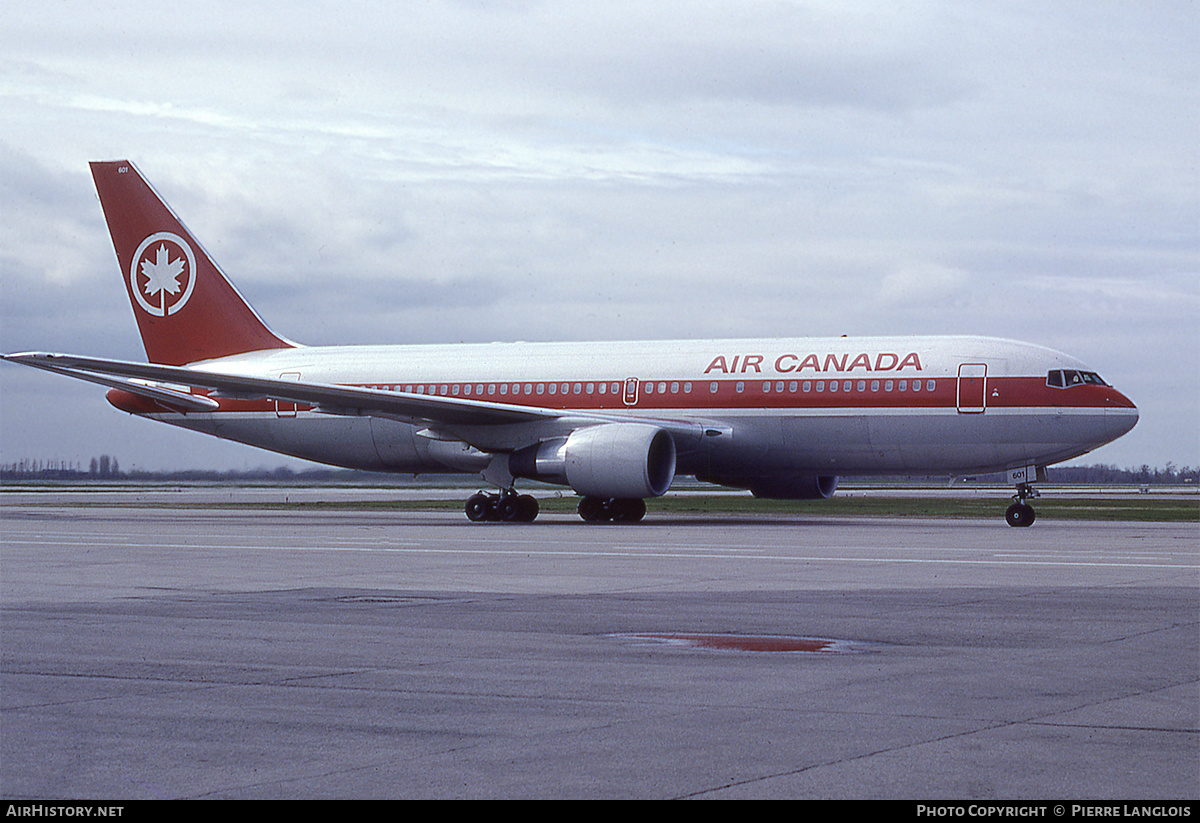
(800, 487)
(625, 460)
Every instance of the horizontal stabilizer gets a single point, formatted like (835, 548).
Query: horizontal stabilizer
(174, 398)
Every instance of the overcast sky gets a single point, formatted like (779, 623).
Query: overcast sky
(474, 171)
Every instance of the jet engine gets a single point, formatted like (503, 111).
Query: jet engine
(610, 460)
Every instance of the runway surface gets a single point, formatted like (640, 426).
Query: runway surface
(172, 652)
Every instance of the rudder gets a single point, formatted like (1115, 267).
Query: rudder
(186, 309)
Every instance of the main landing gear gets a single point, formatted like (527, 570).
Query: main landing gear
(616, 509)
(506, 506)
(1020, 513)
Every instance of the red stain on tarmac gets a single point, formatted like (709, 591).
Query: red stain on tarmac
(742, 643)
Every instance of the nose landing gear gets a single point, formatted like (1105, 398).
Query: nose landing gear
(1020, 513)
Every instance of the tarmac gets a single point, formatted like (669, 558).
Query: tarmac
(173, 652)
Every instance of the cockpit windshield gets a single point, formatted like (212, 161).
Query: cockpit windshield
(1067, 378)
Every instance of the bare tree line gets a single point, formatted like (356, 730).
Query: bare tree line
(107, 467)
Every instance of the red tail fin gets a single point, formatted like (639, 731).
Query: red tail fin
(185, 307)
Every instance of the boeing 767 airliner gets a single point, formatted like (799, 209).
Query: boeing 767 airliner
(615, 422)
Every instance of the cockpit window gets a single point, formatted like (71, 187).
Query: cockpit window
(1067, 378)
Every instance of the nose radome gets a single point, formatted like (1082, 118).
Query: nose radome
(1124, 417)
(1131, 418)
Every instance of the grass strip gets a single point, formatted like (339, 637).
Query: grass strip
(1048, 508)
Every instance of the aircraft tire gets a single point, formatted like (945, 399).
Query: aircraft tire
(505, 508)
(1020, 515)
(478, 507)
(593, 509)
(527, 508)
(629, 510)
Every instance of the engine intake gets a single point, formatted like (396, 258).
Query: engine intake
(625, 460)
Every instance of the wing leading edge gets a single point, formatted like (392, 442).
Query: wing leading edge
(451, 414)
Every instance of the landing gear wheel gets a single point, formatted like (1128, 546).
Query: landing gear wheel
(616, 509)
(527, 508)
(507, 506)
(479, 506)
(629, 510)
(1020, 515)
(593, 509)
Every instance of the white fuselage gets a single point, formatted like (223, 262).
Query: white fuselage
(758, 407)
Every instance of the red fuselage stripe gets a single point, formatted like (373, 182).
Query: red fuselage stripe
(867, 393)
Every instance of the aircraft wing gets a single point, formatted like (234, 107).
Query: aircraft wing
(174, 398)
(170, 386)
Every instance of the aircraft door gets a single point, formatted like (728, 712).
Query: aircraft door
(631, 391)
(283, 408)
(972, 388)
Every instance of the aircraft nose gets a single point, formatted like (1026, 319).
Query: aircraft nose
(1131, 417)
(1122, 414)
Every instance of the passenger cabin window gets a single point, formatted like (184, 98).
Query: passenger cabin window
(1067, 378)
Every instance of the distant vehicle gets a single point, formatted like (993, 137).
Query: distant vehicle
(615, 422)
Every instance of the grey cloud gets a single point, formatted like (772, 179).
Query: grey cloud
(461, 171)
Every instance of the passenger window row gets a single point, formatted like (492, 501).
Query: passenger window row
(506, 389)
(651, 387)
(779, 387)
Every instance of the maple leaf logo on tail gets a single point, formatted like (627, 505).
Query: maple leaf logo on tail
(162, 276)
(161, 260)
